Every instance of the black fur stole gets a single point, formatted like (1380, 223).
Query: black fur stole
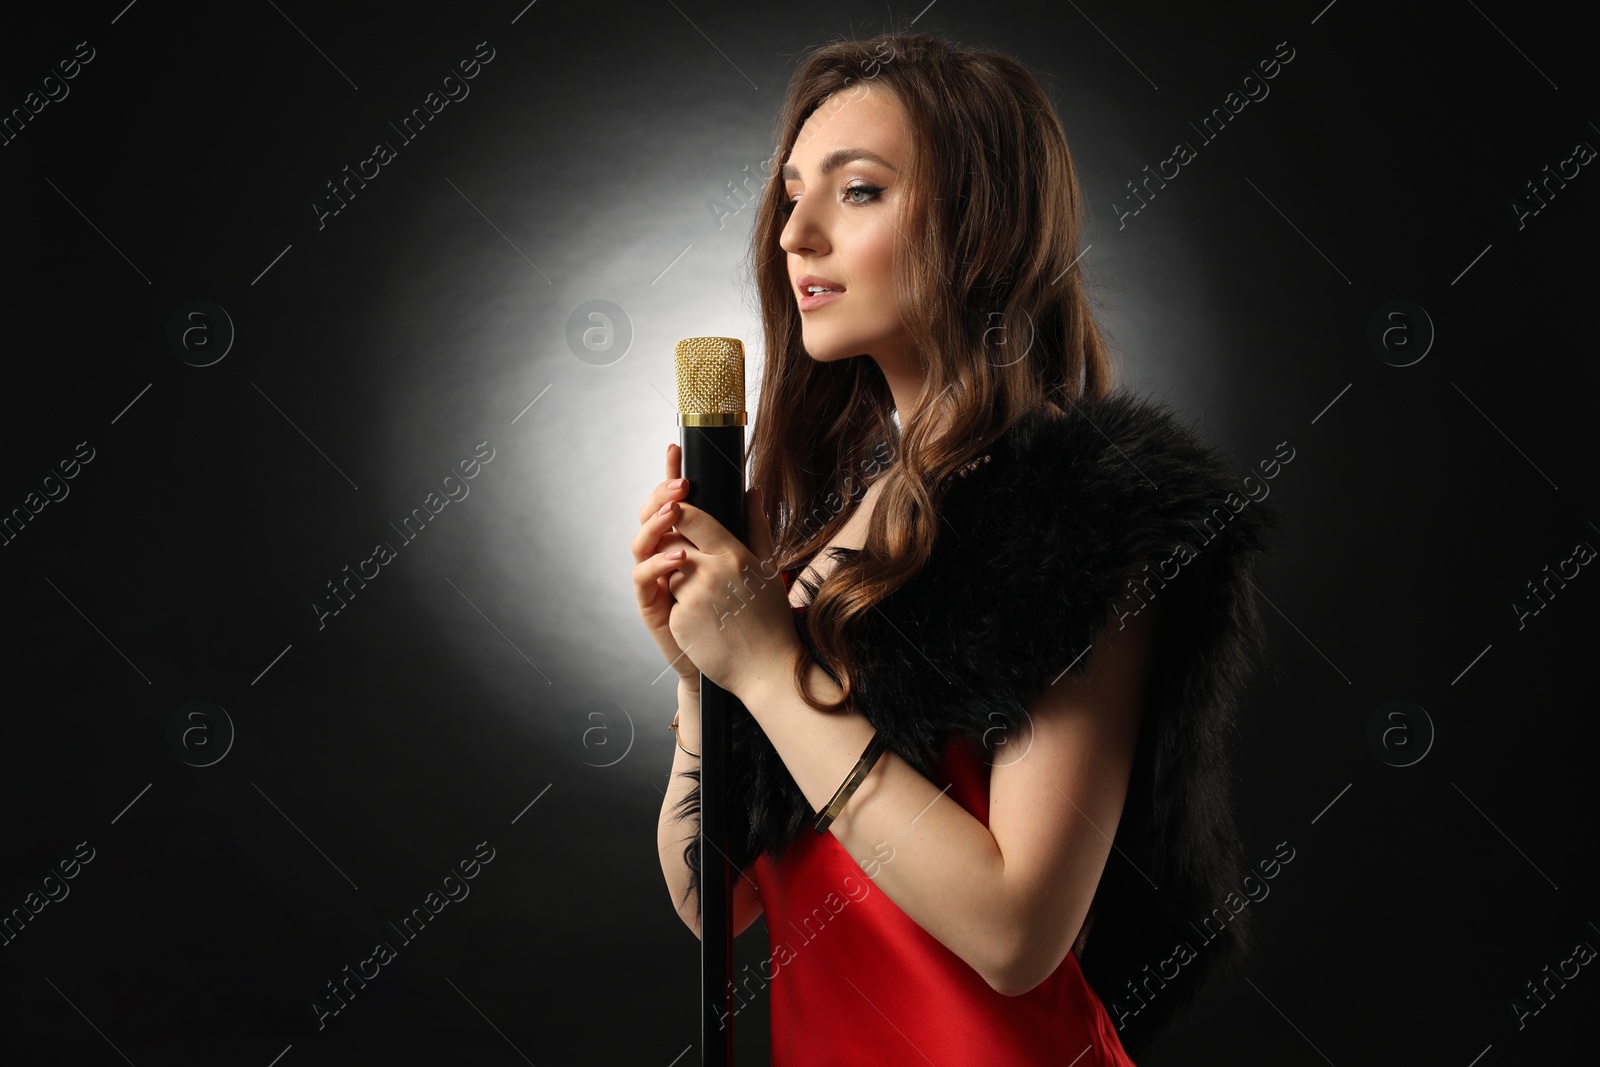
(1116, 503)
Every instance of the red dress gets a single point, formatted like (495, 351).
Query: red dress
(854, 981)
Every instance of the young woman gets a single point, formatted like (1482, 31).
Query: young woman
(1022, 604)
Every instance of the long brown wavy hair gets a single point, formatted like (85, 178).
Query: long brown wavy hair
(991, 294)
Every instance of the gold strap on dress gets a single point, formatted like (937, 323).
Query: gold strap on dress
(863, 765)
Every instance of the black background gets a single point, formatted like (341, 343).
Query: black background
(498, 662)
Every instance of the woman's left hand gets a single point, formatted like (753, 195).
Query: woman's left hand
(731, 613)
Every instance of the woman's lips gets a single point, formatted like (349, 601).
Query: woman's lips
(809, 302)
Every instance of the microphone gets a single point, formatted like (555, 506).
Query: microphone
(711, 424)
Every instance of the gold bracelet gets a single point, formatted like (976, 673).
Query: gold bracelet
(863, 765)
(673, 726)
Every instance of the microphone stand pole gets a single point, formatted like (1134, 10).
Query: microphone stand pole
(716, 883)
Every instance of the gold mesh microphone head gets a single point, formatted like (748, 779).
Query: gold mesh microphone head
(710, 381)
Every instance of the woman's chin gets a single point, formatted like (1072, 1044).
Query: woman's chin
(829, 353)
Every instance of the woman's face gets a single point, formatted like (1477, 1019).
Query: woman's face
(846, 197)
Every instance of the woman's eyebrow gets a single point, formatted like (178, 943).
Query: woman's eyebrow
(836, 159)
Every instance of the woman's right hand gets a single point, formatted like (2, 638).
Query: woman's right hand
(651, 570)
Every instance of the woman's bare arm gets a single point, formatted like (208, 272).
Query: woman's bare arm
(673, 833)
(1007, 898)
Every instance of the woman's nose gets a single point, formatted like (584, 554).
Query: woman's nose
(803, 232)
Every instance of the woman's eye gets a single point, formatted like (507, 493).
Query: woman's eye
(871, 192)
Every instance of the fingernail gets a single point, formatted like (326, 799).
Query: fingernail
(665, 508)
(677, 483)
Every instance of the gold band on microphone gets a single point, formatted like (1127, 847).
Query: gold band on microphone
(713, 418)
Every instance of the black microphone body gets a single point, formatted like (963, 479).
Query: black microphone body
(716, 487)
